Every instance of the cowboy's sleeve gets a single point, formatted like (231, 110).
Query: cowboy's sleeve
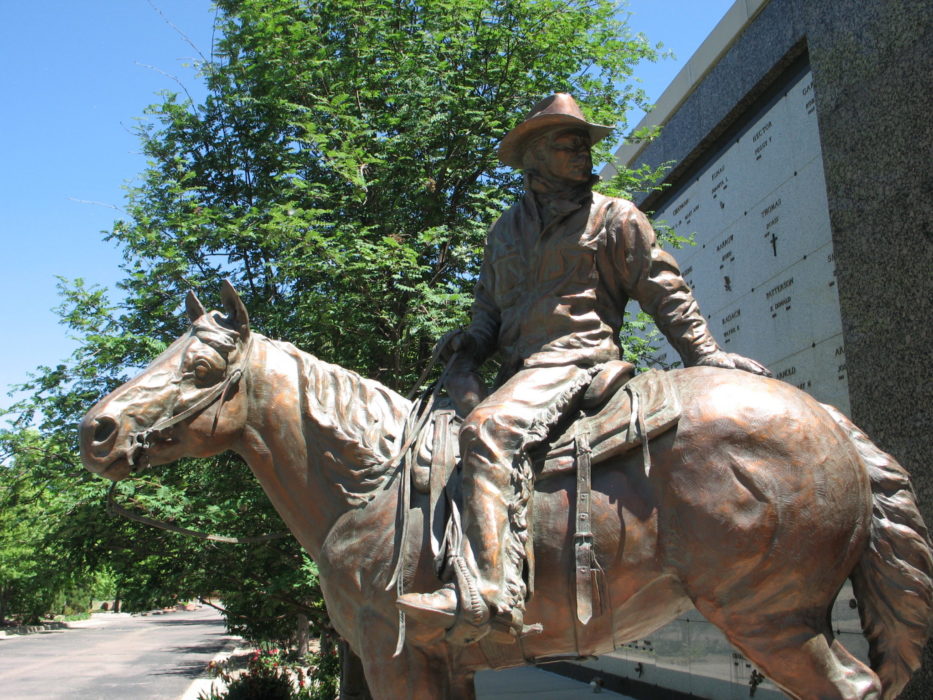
(484, 327)
(652, 276)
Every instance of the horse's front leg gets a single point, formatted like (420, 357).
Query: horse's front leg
(413, 674)
(352, 679)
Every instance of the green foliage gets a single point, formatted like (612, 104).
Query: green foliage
(260, 686)
(75, 616)
(342, 171)
(273, 674)
(35, 578)
(342, 174)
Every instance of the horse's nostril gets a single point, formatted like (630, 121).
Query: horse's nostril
(104, 428)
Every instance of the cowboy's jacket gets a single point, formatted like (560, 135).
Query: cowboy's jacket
(554, 293)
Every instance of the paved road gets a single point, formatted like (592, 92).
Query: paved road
(157, 657)
(113, 657)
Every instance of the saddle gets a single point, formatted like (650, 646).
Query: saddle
(616, 413)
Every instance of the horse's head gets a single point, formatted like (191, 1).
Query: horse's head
(188, 403)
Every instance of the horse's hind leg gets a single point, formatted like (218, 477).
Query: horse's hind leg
(806, 663)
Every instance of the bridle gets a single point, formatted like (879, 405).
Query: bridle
(216, 392)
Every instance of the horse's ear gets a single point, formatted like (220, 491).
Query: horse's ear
(193, 307)
(237, 316)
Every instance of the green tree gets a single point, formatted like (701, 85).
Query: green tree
(34, 576)
(342, 173)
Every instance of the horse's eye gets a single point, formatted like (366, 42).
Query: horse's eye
(202, 369)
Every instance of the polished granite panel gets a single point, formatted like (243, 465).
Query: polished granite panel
(871, 64)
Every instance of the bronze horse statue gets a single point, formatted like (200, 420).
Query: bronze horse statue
(756, 509)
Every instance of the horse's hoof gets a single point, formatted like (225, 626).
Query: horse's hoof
(437, 609)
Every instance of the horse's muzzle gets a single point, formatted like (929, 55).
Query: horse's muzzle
(97, 439)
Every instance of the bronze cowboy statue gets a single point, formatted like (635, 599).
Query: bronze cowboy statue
(558, 270)
(752, 502)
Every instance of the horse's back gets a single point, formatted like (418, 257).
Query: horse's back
(761, 496)
(753, 497)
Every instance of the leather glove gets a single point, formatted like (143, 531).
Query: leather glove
(458, 340)
(729, 360)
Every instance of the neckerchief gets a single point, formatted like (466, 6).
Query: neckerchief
(556, 197)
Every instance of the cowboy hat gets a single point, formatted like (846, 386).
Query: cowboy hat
(558, 110)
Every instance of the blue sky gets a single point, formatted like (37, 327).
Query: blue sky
(76, 76)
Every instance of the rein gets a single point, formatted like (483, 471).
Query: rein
(415, 424)
(117, 509)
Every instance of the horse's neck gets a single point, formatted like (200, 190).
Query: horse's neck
(324, 435)
(356, 420)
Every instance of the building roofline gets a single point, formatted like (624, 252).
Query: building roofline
(704, 59)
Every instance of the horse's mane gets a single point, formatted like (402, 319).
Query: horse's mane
(355, 424)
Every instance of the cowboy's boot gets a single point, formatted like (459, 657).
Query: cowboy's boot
(489, 594)
(457, 608)
(437, 609)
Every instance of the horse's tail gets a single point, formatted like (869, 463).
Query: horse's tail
(892, 580)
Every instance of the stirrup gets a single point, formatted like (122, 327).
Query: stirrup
(472, 620)
(464, 620)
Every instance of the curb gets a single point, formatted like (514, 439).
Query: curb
(32, 629)
(97, 619)
(205, 684)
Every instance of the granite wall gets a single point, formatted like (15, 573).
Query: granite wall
(872, 64)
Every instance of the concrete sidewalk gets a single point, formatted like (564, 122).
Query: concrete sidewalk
(207, 683)
(97, 619)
